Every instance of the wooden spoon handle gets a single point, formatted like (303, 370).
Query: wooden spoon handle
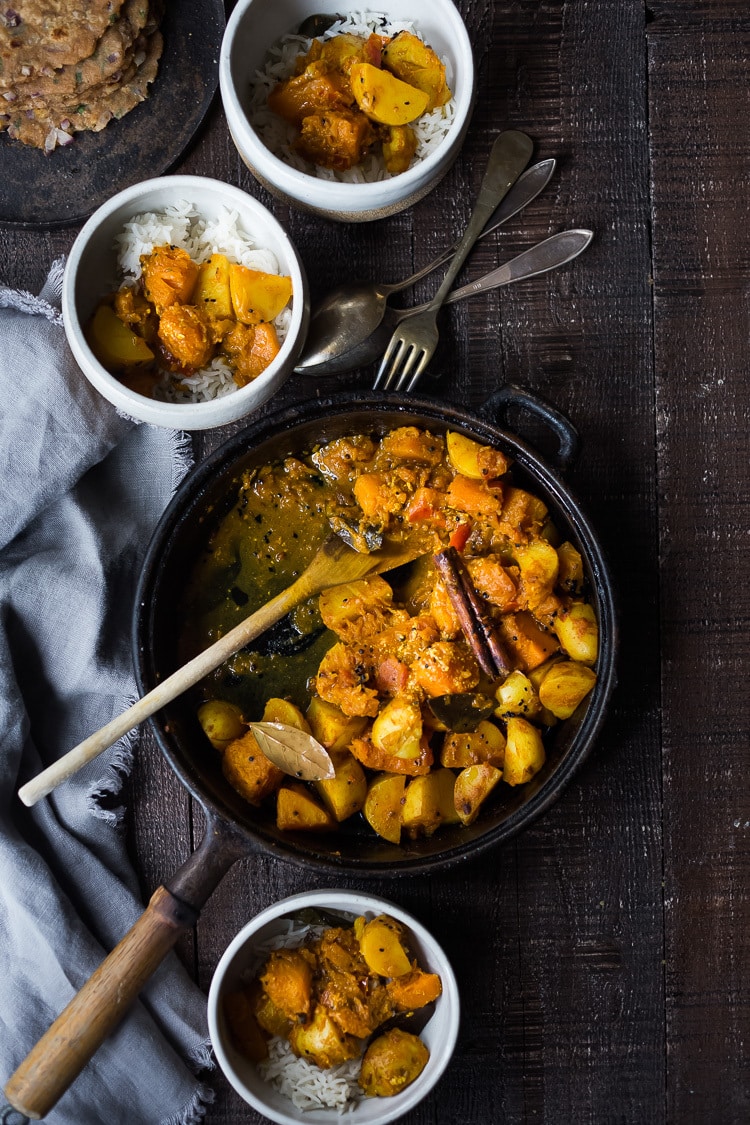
(61, 1054)
(174, 685)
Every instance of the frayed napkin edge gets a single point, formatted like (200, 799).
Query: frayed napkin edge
(25, 302)
(195, 1111)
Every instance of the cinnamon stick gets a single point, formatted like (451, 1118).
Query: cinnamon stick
(476, 622)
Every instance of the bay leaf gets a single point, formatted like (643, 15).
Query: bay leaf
(293, 751)
(463, 711)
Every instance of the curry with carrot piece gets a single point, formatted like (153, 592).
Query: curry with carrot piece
(330, 998)
(431, 687)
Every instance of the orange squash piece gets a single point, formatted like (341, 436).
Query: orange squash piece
(528, 643)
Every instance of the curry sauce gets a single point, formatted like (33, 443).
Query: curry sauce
(386, 672)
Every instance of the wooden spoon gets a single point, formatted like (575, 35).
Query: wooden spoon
(335, 563)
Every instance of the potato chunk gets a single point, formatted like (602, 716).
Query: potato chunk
(114, 343)
(469, 458)
(414, 62)
(391, 1063)
(517, 696)
(539, 565)
(383, 807)
(331, 727)
(257, 297)
(222, 722)
(428, 803)
(399, 148)
(385, 98)
(381, 943)
(397, 729)
(473, 786)
(211, 291)
(322, 1041)
(524, 751)
(564, 686)
(284, 711)
(485, 744)
(578, 632)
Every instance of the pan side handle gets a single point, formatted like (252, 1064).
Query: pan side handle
(63, 1051)
(569, 441)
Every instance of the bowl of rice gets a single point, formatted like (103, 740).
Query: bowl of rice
(263, 46)
(203, 221)
(288, 1089)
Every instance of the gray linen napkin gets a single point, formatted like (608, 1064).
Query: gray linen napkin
(82, 489)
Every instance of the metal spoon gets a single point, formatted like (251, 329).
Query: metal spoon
(350, 313)
(548, 255)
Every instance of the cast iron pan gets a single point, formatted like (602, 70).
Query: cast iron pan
(234, 828)
(40, 191)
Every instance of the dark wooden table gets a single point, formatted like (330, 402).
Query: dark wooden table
(602, 955)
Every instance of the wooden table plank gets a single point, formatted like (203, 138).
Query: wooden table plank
(700, 106)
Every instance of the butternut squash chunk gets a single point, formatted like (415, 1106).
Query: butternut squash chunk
(345, 793)
(298, 811)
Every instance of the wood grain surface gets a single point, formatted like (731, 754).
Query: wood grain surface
(602, 956)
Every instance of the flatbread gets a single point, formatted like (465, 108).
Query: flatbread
(35, 34)
(117, 48)
(35, 126)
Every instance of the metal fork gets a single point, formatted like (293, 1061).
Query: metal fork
(412, 346)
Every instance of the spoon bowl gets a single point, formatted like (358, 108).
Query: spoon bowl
(553, 252)
(348, 316)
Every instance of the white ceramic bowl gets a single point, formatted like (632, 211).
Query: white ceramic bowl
(91, 272)
(255, 25)
(439, 1034)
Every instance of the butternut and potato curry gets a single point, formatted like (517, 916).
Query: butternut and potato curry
(180, 315)
(352, 95)
(388, 673)
(330, 995)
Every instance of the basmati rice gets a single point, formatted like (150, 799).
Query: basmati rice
(278, 135)
(181, 225)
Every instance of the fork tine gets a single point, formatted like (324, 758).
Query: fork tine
(414, 364)
(389, 363)
(416, 375)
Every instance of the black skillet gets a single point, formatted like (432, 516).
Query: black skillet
(236, 829)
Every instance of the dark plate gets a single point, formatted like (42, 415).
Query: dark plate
(64, 188)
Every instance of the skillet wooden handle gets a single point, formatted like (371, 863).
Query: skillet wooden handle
(61, 1054)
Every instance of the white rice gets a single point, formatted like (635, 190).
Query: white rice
(305, 1084)
(181, 225)
(278, 135)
